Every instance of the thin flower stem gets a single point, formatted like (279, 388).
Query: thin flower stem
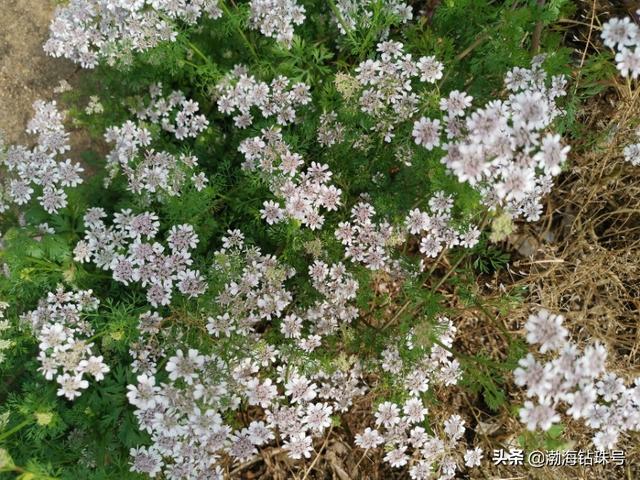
(361, 459)
(340, 19)
(15, 429)
(315, 460)
(248, 44)
(96, 336)
(194, 48)
(494, 320)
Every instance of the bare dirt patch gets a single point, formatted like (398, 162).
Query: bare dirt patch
(26, 73)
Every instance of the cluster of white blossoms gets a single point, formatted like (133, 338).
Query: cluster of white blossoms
(387, 93)
(505, 149)
(623, 36)
(146, 169)
(88, 31)
(5, 344)
(257, 293)
(301, 194)
(358, 14)
(398, 426)
(182, 409)
(576, 379)
(366, 241)
(436, 227)
(330, 131)
(290, 397)
(129, 250)
(24, 170)
(632, 151)
(276, 18)
(369, 242)
(240, 92)
(64, 335)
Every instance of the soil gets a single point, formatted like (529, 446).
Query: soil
(26, 73)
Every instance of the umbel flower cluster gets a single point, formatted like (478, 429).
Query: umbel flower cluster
(129, 249)
(632, 152)
(370, 243)
(88, 31)
(258, 293)
(576, 380)
(385, 86)
(358, 14)
(240, 93)
(399, 426)
(64, 334)
(505, 149)
(5, 343)
(276, 18)
(25, 172)
(146, 169)
(182, 405)
(301, 194)
(623, 36)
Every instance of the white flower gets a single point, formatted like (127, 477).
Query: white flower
(538, 416)
(94, 366)
(430, 69)
(454, 427)
(426, 132)
(70, 386)
(369, 439)
(318, 416)
(472, 457)
(396, 457)
(546, 329)
(183, 367)
(414, 410)
(298, 446)
(143, 395)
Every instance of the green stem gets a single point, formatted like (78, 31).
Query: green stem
(448, 274)
(249, 45)
(27, 473)
(96, 336)
(15, 429)
(194, 48)
(338, 15)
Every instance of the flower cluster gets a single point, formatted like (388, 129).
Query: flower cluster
(146, 169)
(302, 193)
(184, 412)
(276, 18)
(398, 426)
(5, 344)
(502, 149)
(358, 14)
(257, 293)
(623, 36)
(330, 131)
(365, 241)
(64, 335)
(87, 31)
(387, 93)
(632, 151)
(576, 379)
(240, 92)
(436, 228)
(23, 170)
(129, 250)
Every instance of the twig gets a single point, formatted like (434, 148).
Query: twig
(537, 32)
(315, 460)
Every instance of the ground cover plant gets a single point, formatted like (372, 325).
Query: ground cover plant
(295, 247)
